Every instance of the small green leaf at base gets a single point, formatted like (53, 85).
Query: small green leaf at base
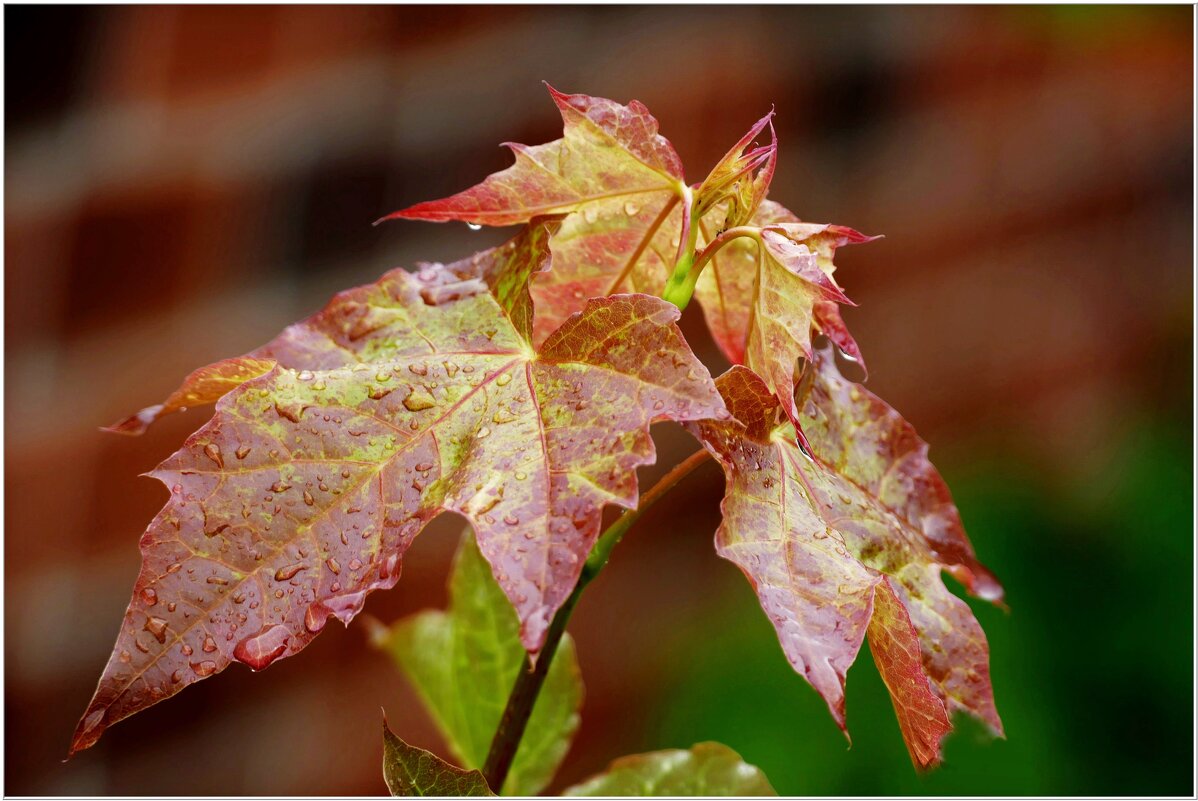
(463, 663)
(412, 771)
(707, 769)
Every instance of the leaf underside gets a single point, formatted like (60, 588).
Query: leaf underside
(706, 769)
(411, 771)
(464, 661)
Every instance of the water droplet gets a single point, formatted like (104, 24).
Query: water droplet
(242, 452)
(186, 649)
(521, 475)
(279, 486)
(474, 226)
(418, 400)
(355, 564)
(308, 499)
(288, 572)
(157, 627)
(631, 208)
(212, 451)
(418, 368)
(149, 596)
(511, 519)
(305, 375)
(217, 580)
(203, 669)
(424, 467)
(334, 566)
(659, 404)
(209, 645)
(504, 380)
(483, 432)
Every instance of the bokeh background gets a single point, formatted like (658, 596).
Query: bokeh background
(180, 183)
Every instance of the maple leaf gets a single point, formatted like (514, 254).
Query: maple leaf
(619, 184)
(609, 153)
(464, 661)
(411, 771)
(706, 769)
(418, 394)
(765, 297)
(854, 539)
(617, 181)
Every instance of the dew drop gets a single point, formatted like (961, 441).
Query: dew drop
(209, 645)
(418, 400)
(203, 669)
(504, 380)
(308, 499)
(149, 596)
(157, 627)
(212, 451)
(289, 572)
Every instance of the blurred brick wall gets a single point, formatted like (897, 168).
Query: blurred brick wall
(181, 182)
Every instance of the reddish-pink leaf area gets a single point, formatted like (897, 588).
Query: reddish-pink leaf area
(402, 399)
(821, 538)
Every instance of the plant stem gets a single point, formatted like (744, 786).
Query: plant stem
(532, 675)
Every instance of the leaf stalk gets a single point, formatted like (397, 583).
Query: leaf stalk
(532, 674)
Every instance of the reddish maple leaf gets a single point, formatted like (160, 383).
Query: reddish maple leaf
(418, 394)
(850, 541)
(621, 186)
(765, 297)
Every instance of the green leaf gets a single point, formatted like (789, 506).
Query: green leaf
(707, 769)
(413, 771)
(463, 663)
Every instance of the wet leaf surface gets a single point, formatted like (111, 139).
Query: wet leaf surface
(851, 541)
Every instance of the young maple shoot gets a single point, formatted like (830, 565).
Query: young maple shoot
(516, 388)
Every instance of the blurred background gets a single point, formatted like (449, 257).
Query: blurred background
(182, 182)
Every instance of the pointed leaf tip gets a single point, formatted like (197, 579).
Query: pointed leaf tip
(412, 771)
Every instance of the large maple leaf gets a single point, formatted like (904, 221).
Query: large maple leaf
(418, 394)
(852, 541)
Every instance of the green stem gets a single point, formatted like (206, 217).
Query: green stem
(532, 675)
(681, 285)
